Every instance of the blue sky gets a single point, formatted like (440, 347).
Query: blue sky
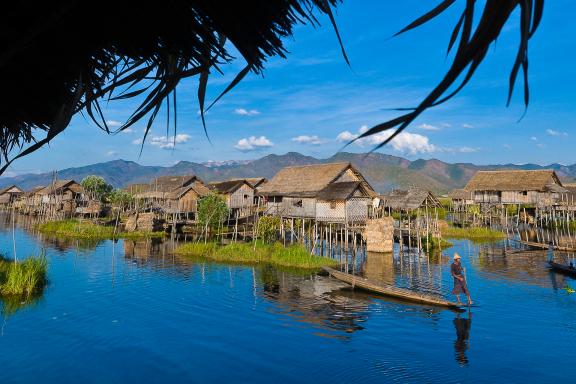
(312, 102)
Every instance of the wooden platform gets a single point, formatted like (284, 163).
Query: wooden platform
(390, 290)
(545, 246)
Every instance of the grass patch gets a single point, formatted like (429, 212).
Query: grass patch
(87, 230)
(294, 256)
(22, 277)
(472, 233)
(435, 244)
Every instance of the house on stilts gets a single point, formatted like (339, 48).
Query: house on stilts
(172, 196)
(238, 194)
(9, 195)
(531, 187)
(334, 192)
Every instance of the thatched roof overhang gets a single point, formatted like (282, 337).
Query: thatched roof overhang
(515, 180)
(308, 180)
(410, 199)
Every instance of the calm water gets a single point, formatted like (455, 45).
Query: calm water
(132, 312)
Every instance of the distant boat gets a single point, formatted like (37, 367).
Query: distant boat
(568, 269)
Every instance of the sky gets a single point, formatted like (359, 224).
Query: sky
(313, 103)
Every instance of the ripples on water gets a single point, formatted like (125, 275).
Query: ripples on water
(132, 311)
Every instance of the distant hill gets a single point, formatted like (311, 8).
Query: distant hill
(384, 172)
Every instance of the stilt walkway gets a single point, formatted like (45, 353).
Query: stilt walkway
(390, 290)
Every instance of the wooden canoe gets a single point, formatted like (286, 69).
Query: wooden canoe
(390, 290)
(562, 268)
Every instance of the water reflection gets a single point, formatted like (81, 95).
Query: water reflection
(462, 343)
(517, 265)
(313, 299)
(14, 303)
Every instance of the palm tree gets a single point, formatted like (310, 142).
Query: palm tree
(63, 57)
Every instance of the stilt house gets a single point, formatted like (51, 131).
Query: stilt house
(174, 195)
(408, 200)
(239, 194)
(62, 197)
(461, 198)
(9, 195)
(537, 187)
(335, 192)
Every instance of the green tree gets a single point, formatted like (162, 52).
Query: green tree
(212, 210)
(96, 187)
(120, 199)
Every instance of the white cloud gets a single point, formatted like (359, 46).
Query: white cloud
(507, 146)
(304, 139)
(113, 123)
(128, 130)
(412, 143)
(534, 138)
(405, 142)
(111, 153)
(552, 132)
(466, 125)
(253, 143)
(428, 127)
(246, 112)
(165, 142)
(445, 125)
(346, 136)
(168, 142)
(468, 150)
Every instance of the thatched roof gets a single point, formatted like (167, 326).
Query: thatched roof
(197, 186)
(255, 181)
(308, 180)
(230, 186)
(515, 180)
(171, 183)
(342, 191)
(460, 194)
(6, 189)
(59, 186)
(410, 199)
(137, 188)
(121, 44)
(34, 190)
(172, 194)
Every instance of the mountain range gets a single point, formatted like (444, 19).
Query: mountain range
(384, 172)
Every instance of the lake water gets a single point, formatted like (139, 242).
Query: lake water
(132, 312)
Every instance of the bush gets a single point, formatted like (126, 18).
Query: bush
(212, 210)
(22, 277)
(268, 227)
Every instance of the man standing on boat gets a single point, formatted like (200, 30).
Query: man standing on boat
(550, 252)
(458, 273)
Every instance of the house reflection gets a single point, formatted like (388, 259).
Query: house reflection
(313, 299)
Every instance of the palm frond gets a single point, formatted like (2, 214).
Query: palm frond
(472, 49)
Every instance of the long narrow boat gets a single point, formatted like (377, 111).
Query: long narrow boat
(390, 290)
(562, 268)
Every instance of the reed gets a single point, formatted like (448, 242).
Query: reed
(87, 230)
(295, 256)
(22, 277)
(435, 244)
(473, 233)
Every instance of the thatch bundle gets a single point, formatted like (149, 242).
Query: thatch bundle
(61, 57)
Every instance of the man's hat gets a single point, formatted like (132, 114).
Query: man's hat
(456, 256)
